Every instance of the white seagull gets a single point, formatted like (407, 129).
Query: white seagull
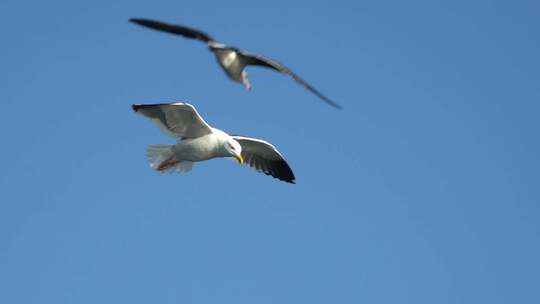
(231, 59)
(197, 141)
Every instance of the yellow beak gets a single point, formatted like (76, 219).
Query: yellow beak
(240, 158)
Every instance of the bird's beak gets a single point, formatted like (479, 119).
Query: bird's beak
(239, 158)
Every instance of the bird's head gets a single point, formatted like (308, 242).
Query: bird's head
(234, 149)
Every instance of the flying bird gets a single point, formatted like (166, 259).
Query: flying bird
(232, 60)
(197, 141)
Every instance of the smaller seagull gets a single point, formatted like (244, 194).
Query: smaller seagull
(197, 141)
(232, 60)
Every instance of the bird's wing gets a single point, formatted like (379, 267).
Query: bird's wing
(251, 59)
(264, 157)
(178, 120)
(173, 29)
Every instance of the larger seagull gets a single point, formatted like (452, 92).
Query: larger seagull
(197, 141)
(231, 59)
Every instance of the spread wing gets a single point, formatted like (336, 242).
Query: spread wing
(251, 59)
(265, 158)
(185, 31)
(178, 120)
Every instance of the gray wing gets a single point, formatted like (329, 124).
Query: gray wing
(178, 120)
(251, 59)
(185, 31)
(265, 158)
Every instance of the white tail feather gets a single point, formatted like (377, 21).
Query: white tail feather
(159, 154)
(183, 167)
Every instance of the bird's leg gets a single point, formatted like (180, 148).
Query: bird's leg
(169, 163)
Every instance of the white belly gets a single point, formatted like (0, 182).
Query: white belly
(197, 149)
(231, 64)
(229, 59)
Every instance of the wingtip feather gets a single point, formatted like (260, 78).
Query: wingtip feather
(138, 20)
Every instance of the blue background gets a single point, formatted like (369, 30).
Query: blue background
(424, 189)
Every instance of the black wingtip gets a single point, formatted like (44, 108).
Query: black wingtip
(291, 179)
(284, 173)
(288, 180)
(135, 107)
(136, 20)
(143, 22)
(330, 102)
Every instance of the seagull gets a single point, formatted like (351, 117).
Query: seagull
(197, 141)
(232, 60)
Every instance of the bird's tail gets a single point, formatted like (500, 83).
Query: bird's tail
(162, 159)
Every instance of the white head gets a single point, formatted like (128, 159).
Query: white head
(234, 149)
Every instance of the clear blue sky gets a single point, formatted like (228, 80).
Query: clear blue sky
(423, 190)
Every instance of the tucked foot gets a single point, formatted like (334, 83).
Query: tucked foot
(168, 164)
